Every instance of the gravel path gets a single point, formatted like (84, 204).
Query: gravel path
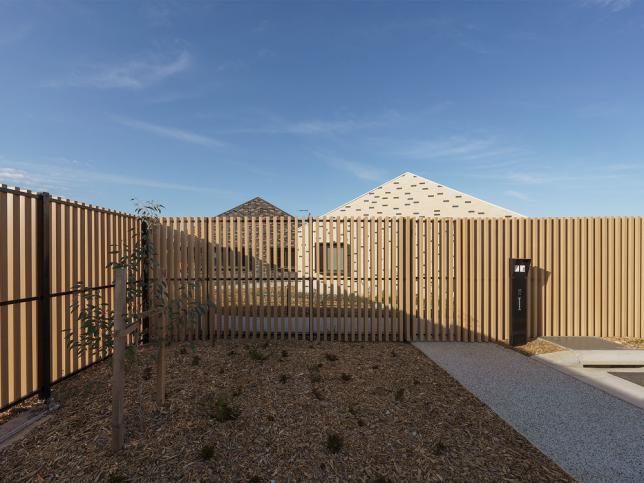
(590, 434)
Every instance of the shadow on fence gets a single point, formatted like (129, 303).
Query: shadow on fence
(349, 279)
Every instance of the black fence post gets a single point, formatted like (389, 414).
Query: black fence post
(145, 338)
(409, 281)
(402, 279)
(207, 254)
(43, 227)
(406, 277)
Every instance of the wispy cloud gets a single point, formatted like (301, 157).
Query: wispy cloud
(359, 170)
(622, 167)
(516, 194)
(601, 110)
(233, 65)
(14, 177)
(526, 178)
(134, 74)
(325, 127)
(64, 179)
(265, 53)
(311, 127)
(170, 132)
(156, 14)
(614, 5)
(563, 175)
(13, 34)
(168, 97)
(460, 148)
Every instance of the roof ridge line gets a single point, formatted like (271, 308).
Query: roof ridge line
(425, 180)
(367, 192)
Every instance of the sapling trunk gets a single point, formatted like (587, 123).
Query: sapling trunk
(161, 359)
(118, 360)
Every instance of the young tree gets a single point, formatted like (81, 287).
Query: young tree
(137, 257)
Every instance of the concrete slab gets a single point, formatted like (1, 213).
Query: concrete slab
(626, 357)
(599, 377)
(634, 377)
(580, 358)
(592, 435)
(584, 343)
(22, 423)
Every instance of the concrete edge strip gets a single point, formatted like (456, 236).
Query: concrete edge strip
(24, 427)
(570, 371)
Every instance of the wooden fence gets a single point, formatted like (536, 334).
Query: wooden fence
(406, 278)
(47, 245)
(364, 279)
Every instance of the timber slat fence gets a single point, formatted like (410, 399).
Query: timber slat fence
(402, 279)
(362, 279)
(42, 235)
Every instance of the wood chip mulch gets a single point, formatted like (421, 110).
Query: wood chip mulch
(23, 406)
(535, 347)
(279, 410)
(630, 342)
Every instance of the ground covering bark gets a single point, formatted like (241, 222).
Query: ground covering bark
(279, 410)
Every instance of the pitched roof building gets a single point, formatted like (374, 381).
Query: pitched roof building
(255, 207)
(413, 195)
(271, 231)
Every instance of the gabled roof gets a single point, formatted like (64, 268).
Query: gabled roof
(413, 195)
(255, 207)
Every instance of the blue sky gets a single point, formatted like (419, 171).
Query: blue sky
(536, 106)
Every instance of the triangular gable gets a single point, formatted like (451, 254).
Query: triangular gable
(255, 207)
(413, 195)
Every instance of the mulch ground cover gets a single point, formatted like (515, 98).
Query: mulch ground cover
(284, 411)
(629, 342)
(28, 404)
(535, 347)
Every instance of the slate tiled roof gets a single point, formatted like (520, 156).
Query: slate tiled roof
(413, 195)
(260, 207)
(255, 207)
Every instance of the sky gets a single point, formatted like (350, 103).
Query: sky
(537, 106)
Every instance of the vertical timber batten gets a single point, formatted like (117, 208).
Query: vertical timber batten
(347, 278)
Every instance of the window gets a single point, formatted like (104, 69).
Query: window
(281, 264)
(244, 262)
(330, 256)
(231, 259)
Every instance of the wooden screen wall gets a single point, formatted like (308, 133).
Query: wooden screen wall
(82, 238)
(354, 279)
(18, 245)
(406, 278)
